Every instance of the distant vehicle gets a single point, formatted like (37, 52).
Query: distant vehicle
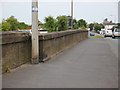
(102, 31)
(30, 31)
(116, 33)
(98, 32)
(43, 31)
(27, 31)
(108, 33)
(92, 34)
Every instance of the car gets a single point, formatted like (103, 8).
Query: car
(102, 31)
(108, 33)
(43, 31)
(92, 34)
(26, 31)
(116, 33)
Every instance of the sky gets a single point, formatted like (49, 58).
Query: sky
(91, 11)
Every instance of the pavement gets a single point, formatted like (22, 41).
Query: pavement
(113, 43)
(92, 63)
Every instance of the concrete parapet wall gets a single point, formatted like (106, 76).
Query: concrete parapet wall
(53, 43)
(16, 50)
(16, 46)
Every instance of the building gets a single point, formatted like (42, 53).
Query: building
(109, 25)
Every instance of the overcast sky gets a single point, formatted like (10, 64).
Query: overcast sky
(92, 11)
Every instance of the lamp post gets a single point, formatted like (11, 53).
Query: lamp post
(35, 42)
(119, 19)
(71, 14)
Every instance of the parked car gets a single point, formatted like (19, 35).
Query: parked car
(102, 31)
(26, 31)
(92, 34)
(43, 31)
(108, 33)
(116, 33)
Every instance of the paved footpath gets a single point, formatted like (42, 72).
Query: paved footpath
(89, 64)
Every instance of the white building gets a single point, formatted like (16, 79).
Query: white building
(110, 26)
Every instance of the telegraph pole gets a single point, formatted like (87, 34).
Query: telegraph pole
(35, 40)
(71, 14)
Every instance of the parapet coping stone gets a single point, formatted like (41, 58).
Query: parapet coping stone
(15, 37)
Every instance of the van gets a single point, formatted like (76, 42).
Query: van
(108, 33)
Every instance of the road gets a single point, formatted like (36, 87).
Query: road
(92, 63)
(113, 44)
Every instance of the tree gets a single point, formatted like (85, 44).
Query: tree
(119, 25)
(62, 23)
(75, 24)
(40, 24)
(0, 26)
(22, 25)
(102, 26)
(91, 26)
(13, 22)
(97, 27)
(49, 23)
(82, 23)
(5, 26)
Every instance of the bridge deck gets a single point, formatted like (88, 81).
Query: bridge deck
(90, 64)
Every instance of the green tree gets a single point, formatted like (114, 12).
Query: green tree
(0, 26)
(83, 27)
(97, 27)
(75, 24)
(91, 26)
(49, 23)
(102, 26)
(13, 22)
(82, 23)
(119, 25)
(61, 23)
(40, 24)
(22, 25)
(5, 26)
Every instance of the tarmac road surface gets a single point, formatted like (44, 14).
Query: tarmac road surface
(92, 63)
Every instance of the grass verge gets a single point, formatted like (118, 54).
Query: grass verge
(97, 36)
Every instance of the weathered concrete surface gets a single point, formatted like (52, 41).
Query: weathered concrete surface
(16, 46)
(90, 64)
(53, 43)
(16, 49)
